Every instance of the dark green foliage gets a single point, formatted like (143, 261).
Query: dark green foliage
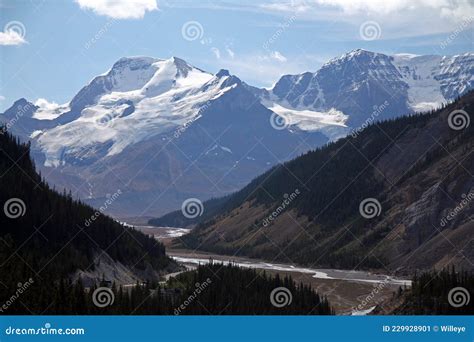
(52, 239)
(430, 292)
(333, 180)
(212, 289)
(241, 291)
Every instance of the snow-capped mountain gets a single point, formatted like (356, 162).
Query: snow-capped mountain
(137, 99)
(350, 88)
(162, 130)
(159, 130)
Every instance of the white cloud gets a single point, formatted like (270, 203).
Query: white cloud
(11, 37)
(398, 18)
(2, 97)
(390, 6)
(216, 52)
(119, 9)
(374, 7)
(278, 56)
(263, 69)
(230, 52)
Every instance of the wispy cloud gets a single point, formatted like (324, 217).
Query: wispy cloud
(453, 9)
(11, 37)
(398, 18)
(278, 56)
(230, 52)
(119, 9)
(264, 69)
(216, 52)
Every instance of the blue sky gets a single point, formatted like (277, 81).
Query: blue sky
(50, 49)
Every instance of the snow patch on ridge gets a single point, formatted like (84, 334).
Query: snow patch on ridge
(171, 97)
(49, 110)
(331, 123)
(418, 72)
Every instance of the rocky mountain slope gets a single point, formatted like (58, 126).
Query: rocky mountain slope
(359, 82)
(396, 196)
(162, 130)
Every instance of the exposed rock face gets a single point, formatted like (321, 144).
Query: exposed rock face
(419, 169)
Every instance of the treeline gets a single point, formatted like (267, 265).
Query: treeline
(44, 234)
(210, 290)
(447, 292)
(336, 177)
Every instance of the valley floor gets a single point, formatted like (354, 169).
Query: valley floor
(349, 292)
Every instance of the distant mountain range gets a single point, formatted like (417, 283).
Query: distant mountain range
(396, 196)
(163, 131)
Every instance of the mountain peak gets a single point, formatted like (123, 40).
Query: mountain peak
(134, 62)
(358, 53)
(182, 67)
(222, 73)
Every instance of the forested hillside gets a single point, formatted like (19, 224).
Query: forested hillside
(46, 235)
(439, 293)
(417, 168)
